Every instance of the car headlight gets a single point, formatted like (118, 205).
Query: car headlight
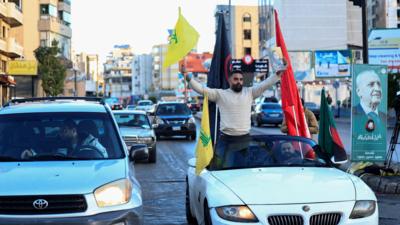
(159, 121)
(363, 209)
(240, 213)
(145, 140)
(114, 193)
(191, 120)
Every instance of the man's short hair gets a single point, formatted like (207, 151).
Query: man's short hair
(69, 123)
(235, 71)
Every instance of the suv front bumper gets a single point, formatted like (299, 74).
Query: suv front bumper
(122, 217)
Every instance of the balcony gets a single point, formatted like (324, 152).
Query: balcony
(14, 50)
(64, 6)
(11, 14)
(48, 23)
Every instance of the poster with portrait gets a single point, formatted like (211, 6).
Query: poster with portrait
(332, 63)
(369, 113)
(302, 65)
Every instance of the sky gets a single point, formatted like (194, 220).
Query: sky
(98, 25)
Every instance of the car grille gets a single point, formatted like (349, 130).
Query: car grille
(176, 121)
(285, 220)
(56, 204)
(131, 139)
(325, 219)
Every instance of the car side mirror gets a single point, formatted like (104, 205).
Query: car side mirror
(138, 152)
(192, 162)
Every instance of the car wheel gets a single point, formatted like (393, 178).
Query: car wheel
(207, 216)
(189, 216)
(153, 155)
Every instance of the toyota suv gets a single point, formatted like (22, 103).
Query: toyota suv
(63, 161)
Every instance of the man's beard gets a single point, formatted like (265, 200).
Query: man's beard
(237, 87)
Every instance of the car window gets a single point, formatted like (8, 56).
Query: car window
(145, 103)
(267, 152)
(173, 109)
(58, 136)
(271, 106)
(132, 120)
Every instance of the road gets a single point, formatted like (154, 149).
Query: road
(163, 183)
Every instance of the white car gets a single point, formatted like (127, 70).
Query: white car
(145, 105)
(272, 180)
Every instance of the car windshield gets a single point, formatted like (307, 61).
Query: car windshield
(173, 109)
(268, 151)
(271, 106)
(145, 103)
(132, 120)
(58, 136)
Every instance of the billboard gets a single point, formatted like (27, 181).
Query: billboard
(22, 67)
(369, 113)
(332, 63)
(384, 48)
(302, 65)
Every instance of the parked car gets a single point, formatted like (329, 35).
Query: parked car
(135, 128)
(268, 113)
(145, 105)
(63, 161)
(172, 119)
(272, 182)
(313, 108)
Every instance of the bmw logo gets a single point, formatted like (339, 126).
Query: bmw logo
(306, 208)
(40, 204)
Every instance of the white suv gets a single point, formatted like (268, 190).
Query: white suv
(63, 161)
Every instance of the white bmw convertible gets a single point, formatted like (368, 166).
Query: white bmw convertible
(272, 181)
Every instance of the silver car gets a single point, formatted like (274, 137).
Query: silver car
(135, 128)
(63, 161)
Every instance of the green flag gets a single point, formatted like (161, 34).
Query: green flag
(328, 137)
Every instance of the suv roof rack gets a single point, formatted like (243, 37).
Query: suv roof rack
(23, 100)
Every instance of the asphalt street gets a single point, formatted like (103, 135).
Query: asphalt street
(163, 183)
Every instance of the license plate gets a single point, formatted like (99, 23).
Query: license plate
(176, 128)
(273, 115)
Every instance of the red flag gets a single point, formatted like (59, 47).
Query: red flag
(291, 103)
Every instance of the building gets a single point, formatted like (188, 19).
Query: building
(164, 79)
(242, 27)
(118, 72)
(44, 21)
(382, 14)
(142, 74)
(11, 20)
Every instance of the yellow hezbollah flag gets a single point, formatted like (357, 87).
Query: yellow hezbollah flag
(181, 40)
(204, 149)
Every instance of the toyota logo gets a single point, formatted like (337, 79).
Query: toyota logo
(40, 204)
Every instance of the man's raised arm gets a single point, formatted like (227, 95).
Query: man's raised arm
(259, 89)
(211, 92)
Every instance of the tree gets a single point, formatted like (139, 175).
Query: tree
(51, 70)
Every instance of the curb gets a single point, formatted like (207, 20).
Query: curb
(382, 185)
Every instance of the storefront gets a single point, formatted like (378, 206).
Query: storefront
(7, 88)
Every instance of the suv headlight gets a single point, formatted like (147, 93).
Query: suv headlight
(114, 193)
(191, 120)
(239, 213)
(363, 209)
(159, 121)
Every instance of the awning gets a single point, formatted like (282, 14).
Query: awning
(7, 80)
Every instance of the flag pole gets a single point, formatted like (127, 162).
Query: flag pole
(216, 125)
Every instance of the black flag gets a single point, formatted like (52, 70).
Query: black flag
(219, 70)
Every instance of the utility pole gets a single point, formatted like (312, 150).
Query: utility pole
(75, 85)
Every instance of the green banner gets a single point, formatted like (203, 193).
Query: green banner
(369, 113)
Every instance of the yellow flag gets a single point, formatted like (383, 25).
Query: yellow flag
(204, 149)
(181, 40)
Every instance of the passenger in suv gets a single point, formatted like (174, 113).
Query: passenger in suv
(64, 162)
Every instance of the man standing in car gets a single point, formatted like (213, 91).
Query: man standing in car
(235, 107)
